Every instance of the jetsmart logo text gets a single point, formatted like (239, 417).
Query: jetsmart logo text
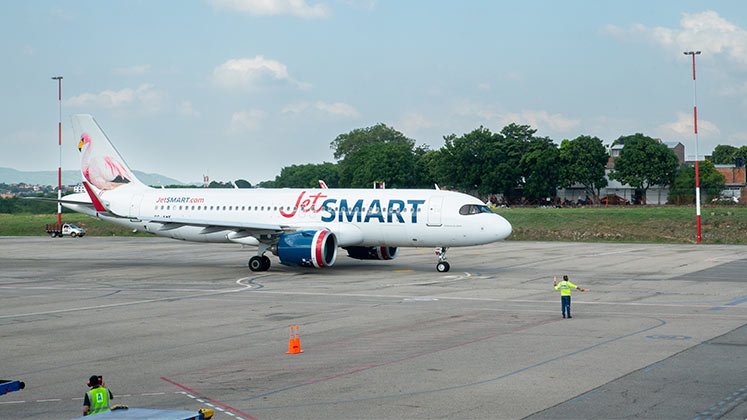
(341, 210)
(180, 200)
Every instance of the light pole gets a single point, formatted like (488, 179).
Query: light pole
(59, 142)
(697, 156)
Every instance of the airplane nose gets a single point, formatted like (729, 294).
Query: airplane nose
(502, 228)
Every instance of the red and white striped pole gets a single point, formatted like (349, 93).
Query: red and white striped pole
(59, 142)
(697, 156)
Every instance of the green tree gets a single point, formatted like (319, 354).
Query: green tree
(644, 162)
(392, 163)
(242, 183)
(219, 184)
(426, 167)
(683, 189)
(469, 162)
(377, 153)
(540, 171)
(726, 154)
(305, 176)
(28, 205)
(583, 161)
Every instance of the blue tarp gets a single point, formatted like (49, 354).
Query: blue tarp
(7, 386)
(143, 414)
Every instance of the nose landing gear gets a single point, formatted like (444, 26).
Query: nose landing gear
(442, 266)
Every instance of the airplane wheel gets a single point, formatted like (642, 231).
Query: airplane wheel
(265, 263)
(442, 267)
(256, 263)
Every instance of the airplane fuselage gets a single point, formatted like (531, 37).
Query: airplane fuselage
(397, 218)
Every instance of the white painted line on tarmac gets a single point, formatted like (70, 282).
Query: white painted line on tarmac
(137, 302)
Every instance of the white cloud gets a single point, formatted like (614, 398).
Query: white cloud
(133, 70)
(738, 90)
(705, 31)
(412, 123)
(339, 109)
(739, 137)
(298, 8)
(187, 110)
(252, 73)
(683, 127)
(540, 120)
(247, 120)
(145, 96)
(362, 4)
(487, 113)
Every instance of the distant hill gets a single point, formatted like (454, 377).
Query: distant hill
(12, 176)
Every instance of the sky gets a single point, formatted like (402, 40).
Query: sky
(239, 89)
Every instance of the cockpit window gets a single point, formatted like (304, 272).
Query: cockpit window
(474, 209)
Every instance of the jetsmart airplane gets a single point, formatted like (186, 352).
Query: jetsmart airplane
(302, 227)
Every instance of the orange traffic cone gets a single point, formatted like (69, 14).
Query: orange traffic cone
(294, 342)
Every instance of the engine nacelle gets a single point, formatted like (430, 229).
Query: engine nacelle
(308, 248)
(372, 252)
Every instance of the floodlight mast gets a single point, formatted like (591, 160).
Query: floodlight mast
(697, 156)
(59, 143)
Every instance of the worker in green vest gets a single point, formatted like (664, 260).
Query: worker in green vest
(97, 398)
(565, 287)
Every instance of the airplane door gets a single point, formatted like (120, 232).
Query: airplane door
(434, 211)
(135, 206)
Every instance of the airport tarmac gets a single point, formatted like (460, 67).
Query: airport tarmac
(174, 325)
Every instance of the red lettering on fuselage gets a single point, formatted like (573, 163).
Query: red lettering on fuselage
(306, 205)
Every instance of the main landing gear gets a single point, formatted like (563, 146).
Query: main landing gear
(442, 265)
(259, 263)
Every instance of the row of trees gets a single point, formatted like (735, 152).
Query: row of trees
(514, 162)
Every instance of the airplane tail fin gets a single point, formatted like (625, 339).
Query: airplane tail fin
(101, 166)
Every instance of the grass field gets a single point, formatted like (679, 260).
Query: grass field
(34, 224)
(720, 225)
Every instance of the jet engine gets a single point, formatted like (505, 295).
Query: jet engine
(372, 252)
(308, 248)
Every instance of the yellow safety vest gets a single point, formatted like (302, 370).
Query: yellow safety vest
(99, 400)
(565, 288)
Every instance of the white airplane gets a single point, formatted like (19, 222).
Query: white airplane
(302, 227)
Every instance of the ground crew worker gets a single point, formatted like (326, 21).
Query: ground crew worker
(97, 398)
(565, 287)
